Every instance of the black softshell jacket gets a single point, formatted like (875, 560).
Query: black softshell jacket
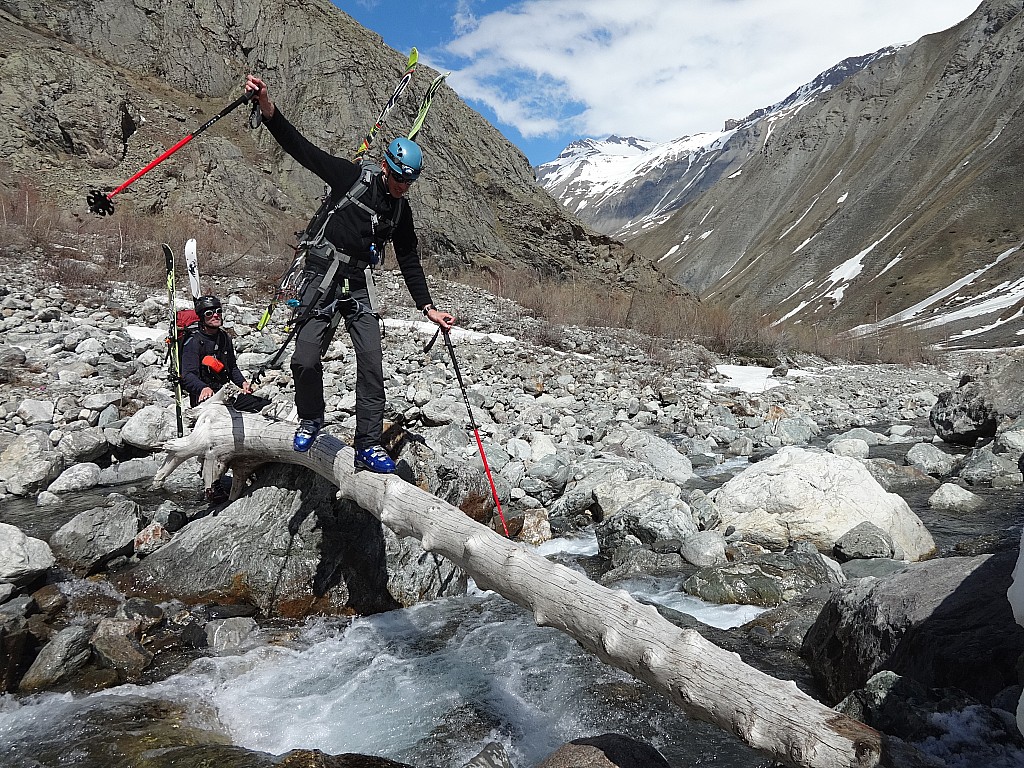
(351, 229)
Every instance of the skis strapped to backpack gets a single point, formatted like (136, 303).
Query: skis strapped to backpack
(410, 67)
(173, 345)
(192, 265)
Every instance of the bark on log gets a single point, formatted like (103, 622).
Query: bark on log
(709, 683)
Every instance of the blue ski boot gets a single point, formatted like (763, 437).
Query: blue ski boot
(306, 434)
(374, 459)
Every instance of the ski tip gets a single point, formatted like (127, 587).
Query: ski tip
(167, 249)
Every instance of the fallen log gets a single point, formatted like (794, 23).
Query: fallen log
(709, 683)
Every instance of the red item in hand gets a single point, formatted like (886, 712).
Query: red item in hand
(213, 363)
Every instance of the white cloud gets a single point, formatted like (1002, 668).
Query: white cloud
(662, 69)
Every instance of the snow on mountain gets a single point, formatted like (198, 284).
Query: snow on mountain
(624, 185)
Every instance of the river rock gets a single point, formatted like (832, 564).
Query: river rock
(150, 428)
(94, 537)
(984, 467)
(65, 653)
(808, 495)
(36, 411)
(862, 542)
(117, 646)
(84, 445)
(230, 634)
(610, 750)
(79, 477)
(952, 498)
(22, 558)
(30, 463)
(767, 580)
(943, 622)
(931, 460)
(983, 398)
(898, 478)
(291, 548)
(660, 513)
(668, 463)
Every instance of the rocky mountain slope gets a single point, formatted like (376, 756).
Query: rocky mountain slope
(624, 185)
(889, 199)
(90, 93)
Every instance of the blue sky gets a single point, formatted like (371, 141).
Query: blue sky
(546, 72)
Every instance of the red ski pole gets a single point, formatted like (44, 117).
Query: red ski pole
(472, 423)
(101, 203)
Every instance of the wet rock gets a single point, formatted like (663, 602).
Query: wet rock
(229, 634)
(658, 514)
(493, 755)
(896, 478)
(610, 750)
(290, 547)
(117, 646)
(66, 653)
(767, 580)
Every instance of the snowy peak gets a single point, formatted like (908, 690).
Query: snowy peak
(624, 185)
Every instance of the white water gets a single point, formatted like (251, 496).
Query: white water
(429, 686)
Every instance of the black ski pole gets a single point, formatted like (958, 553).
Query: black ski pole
(100, 202)
(472, 421)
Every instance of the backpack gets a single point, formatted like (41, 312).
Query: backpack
(313, 239)
(187, 323)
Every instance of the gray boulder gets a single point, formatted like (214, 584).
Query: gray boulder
(84, 445)
(862, 542)
(952, 498)
(931, 460)
(289, 546)
(150, 428)
(80, 477)
(767, 580)
(980, 402)
(30, 463)
(94, 537)
(22, 558)
(65, 653)
(944, 622)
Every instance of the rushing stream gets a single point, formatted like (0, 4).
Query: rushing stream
(430, 686)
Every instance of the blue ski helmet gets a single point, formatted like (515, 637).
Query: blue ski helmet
(405, 159)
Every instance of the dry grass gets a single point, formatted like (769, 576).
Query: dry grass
(81, 250)
(77, 249)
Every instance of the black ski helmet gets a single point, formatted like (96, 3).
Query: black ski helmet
(206, 303)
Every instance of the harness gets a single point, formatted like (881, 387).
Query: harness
(318, 256)
(323, 258)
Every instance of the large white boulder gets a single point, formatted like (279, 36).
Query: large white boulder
(809, 495)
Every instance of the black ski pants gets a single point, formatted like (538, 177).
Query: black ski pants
(311, 343)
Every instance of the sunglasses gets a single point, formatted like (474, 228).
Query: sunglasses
(211, 312)
(408, 175)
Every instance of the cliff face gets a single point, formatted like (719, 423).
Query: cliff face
(92, 91)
